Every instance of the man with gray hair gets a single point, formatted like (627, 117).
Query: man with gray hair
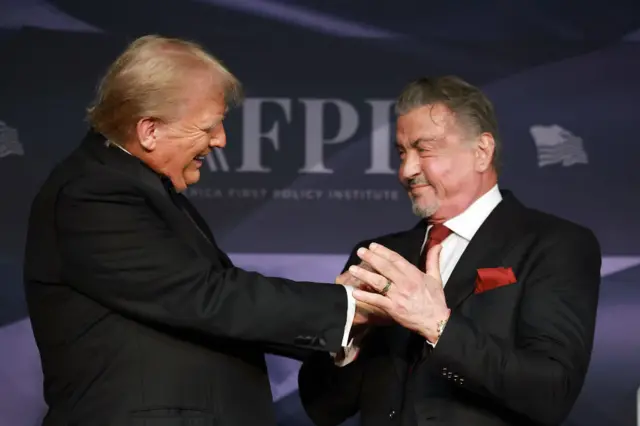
(493, 303)
(140, 318)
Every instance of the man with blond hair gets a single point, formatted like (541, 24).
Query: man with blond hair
(140, 318)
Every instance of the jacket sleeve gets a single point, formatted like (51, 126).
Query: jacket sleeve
(116, 249)
(540, 374)
(330, 394)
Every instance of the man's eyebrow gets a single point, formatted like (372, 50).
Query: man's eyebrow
(423, 139)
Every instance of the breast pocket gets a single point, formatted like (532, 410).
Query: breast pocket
(494, 311)
(172, 417)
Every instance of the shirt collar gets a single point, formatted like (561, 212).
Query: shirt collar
(166, 182)
(467, 223)
(117, 145)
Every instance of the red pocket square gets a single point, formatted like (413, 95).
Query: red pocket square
(490, 278)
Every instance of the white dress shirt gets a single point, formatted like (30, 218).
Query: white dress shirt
(351, 302)
(463, 227)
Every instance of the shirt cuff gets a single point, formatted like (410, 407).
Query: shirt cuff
(351, 313)
(349, 354)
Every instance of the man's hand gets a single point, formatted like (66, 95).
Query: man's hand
(369, 314)
(347, 278)
(365, 313)
(414, 299)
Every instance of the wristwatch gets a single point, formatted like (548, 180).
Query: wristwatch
(441, 325)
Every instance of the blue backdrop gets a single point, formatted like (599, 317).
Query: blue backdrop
(309, 169)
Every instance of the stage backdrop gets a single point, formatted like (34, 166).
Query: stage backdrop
(310, 170)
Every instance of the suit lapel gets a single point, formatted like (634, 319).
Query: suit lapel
(409, 244)
(198, 220)
(200, 224)
(189, 225)
(486, 248)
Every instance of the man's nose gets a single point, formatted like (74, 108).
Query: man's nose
(219, 139)
(410, 167)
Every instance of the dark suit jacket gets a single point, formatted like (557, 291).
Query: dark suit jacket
(140, 318)
(514, 355)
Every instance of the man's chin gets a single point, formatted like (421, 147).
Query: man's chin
(181, 182)
(422, 210)
(192, 177)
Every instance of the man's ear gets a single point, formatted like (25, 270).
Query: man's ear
(485, 150)
(146, 130)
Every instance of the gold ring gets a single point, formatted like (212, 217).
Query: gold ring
(386, 288)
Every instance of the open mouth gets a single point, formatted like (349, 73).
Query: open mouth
(200, 157)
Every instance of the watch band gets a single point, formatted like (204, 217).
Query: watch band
(442, 324)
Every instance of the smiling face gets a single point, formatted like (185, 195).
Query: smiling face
(176, 149)
(444, 168)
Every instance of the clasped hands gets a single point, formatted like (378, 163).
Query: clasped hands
(390, 289)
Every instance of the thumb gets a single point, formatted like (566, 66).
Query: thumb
(433, 261)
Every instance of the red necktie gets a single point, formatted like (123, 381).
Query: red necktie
(437, 234)
(417, 345)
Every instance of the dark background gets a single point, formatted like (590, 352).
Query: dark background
(571, 68)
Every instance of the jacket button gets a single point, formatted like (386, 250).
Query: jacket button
(392, 414)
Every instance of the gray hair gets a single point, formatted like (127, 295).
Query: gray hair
(472, 109)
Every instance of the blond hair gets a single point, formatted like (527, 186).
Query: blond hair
(152, 78)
